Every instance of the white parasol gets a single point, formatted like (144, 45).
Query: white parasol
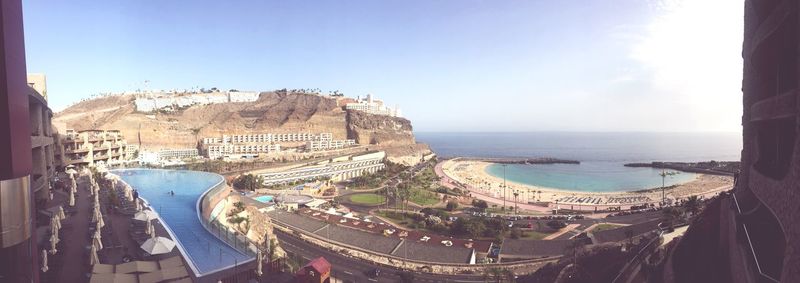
(145, 215)
(97, 240)
(71, 198)
(53, 242)
(100, 223)
(44, 261)
(93, 259)
(158, 245)
(61, 213)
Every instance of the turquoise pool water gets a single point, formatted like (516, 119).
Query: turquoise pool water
(205, 251)
(264, 199)
(591, 176)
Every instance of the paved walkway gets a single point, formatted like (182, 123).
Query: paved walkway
(569, 227)
(75, 240)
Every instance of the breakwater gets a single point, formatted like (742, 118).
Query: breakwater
(540, 160)
(727, 168)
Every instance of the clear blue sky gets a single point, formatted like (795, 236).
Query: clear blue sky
(459, 65)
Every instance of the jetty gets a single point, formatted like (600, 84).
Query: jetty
(539, 160)
(727, 168)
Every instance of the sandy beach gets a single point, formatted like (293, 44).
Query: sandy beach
(474, 175)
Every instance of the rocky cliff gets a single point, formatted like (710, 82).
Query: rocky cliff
(275, 112)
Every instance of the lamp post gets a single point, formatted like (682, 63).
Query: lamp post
(664, 175)
(504, 186)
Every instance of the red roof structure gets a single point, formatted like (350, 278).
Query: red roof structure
(316, 270)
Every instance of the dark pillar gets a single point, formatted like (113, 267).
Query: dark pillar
(18, 253)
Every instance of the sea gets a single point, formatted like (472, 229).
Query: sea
(601, 156)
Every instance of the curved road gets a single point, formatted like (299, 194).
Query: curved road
(349, 269)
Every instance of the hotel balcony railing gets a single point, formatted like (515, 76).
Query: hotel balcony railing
(752, 251)
(77, 160)
(100, 156)
(84, 149)
(38, 182)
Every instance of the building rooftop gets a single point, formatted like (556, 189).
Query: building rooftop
(433, 253)
(619, 234)
(534, 248)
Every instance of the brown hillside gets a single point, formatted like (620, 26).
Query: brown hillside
(273, 112)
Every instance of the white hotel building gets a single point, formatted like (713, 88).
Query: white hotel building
(328, 144)
(373, 106)
(336, 169)
(254, 145)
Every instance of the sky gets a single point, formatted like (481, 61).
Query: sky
(451, 65)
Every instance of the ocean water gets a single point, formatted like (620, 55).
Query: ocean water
(602, 156)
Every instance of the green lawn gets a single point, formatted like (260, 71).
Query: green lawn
(367, 199)
(605, 226)
(534, 235)
(423, 197)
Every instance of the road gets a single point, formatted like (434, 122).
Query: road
(348, 269)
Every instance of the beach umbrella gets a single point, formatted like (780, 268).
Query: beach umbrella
(44, 261)
(53, 226)
(57, 222)
(152, 232)
(96, 215)
(71, 198)
(259, 262)
(100, 223)
(97, 240)
(145, 215)
(93, 259)
(53, 242)
(158, 245)
(149, 227)
(61, 213)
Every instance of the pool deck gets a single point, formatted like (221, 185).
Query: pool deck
(75, 238)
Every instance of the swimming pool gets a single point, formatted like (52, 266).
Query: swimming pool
(206, 253)
(264, 199)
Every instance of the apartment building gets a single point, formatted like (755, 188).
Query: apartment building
(336, 169)
(42, 142)
(177, 154)
(269, 138)
(373, 106)
(93, 147)
(254, 145)
(328, 145)
(240, 150)
(26, 154)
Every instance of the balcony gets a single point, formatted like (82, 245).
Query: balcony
(760, 234)
(76, 150)
(77, 161)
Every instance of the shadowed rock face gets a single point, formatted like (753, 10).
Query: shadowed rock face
(378, 130)
(275, 111)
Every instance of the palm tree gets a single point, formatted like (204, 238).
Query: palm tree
(692, 204)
